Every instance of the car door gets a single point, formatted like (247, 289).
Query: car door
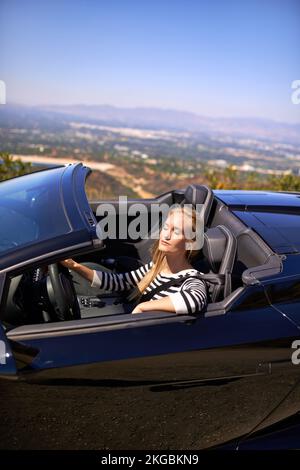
(177, 381)
(7, 362)
(284, 291)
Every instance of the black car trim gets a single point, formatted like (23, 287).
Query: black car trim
(272, 267)
(252, 250)
(2, 283)
(221, 308)
(93, 325)
(45, 256)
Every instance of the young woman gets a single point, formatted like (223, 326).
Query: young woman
(171, 256)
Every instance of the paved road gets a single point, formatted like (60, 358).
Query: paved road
(38, 159)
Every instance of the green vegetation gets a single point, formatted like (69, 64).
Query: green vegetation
(161, 174)
(10, 168)
(164, 173)
(285, 183)
(230, 178)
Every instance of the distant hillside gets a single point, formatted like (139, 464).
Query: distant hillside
(27, 117)
(148, 118)
(171, 119)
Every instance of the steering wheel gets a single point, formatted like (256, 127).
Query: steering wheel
(61, 293)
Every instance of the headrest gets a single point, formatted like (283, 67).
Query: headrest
(219, 248)
(199, 194)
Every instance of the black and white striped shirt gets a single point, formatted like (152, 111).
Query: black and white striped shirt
(187, 298)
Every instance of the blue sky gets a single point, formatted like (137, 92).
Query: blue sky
(213, 57)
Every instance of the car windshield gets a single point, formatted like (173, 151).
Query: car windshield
(31, 209)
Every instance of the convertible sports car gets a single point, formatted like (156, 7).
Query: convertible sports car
(79, 372)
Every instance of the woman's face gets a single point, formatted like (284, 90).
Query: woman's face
(172, 236)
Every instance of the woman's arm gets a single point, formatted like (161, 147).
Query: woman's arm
(165, 304)
(108, 280)
(84, 271)
(119, 281)
(191, 298)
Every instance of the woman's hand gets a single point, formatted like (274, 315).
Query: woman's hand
(68, 263)
(137, 309)
(144, 307)
(82, 270)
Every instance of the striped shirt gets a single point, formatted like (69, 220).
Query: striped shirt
(188, 297)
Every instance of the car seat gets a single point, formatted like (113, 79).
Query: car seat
(217, 259)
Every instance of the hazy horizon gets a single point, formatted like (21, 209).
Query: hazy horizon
(157, 108)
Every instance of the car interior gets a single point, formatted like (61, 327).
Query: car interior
(232, 252)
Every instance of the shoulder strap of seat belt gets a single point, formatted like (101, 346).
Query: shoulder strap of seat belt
(217, 279)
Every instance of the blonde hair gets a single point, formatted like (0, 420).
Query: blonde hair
(159, 257)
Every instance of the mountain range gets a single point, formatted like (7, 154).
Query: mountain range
(13, 115)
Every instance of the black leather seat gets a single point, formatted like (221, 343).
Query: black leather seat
(199, 194)
(217, 259)
(219, 249)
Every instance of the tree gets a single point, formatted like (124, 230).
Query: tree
(10, 167)
(288, 182)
